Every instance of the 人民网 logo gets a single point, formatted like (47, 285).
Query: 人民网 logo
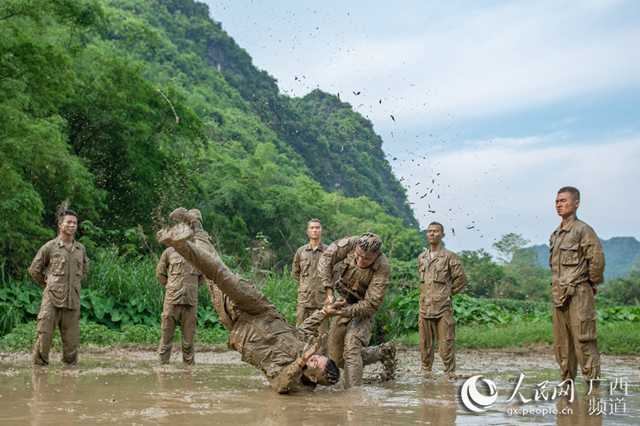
(473, 399)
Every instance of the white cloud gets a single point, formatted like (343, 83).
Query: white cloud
(502, 187)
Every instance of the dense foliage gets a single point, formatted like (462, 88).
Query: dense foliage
(125, 109)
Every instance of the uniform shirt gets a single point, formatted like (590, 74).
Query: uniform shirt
(181, 281)
(575, 257)
(311, 292)
(60, 270)
(440, 278)
(365, 288)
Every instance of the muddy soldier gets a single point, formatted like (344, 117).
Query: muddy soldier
(257, 331)
(59, 266)
(577, 266)
(364, 280)
(181, 281)
(441, 276)
(311, 292)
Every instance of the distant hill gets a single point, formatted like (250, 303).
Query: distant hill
(620, 253)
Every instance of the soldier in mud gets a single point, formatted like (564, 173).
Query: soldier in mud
(441, 276)
(577, 266)
(311, 292)
(59, 266)
(257, 331)
(363, 281)
(181, 281)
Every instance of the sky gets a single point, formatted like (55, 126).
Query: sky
(493, 105)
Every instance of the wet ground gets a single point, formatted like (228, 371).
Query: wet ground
(126, 386)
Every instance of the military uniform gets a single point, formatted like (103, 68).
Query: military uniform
(577, 263)
(257, 331)
(440, 278)
(364, 290)
(59, 270)
(311, 292)
(181, 281)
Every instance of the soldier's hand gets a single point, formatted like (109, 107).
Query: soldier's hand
(339, 302)
(330, 311)
(595, 289)
(331, 299)
(308, 351)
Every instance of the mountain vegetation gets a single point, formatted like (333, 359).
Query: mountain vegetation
(124, 109)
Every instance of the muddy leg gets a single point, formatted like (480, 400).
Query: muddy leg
(188, 320)
(70, 334)
(169, 321)
(46, 326)
(427, 344)
(563, 344)
(446, 334)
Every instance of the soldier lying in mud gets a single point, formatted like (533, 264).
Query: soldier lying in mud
(257, 331)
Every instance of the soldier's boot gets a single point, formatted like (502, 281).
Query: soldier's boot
(183, 215)
(176, 236)
(388, 361)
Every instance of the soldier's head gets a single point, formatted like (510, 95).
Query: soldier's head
(368, 249)
(314, 229)
(567, 201)
(67, 222)
(321, 370)
(435, 233)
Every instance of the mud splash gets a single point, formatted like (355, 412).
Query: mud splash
(127, 387)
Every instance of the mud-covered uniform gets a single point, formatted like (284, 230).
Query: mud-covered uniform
(181, 281)
(440, 278)
(365, 290)
(311, 292)
(577, 263)
(59, 270)
(257, 331)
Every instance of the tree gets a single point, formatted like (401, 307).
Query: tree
(483, 274)
(507, 247)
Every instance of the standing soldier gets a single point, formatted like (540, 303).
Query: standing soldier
(364, 280)
(441, 276)
(311, 292)
(577, 266)
(181, 281)
(59, 266)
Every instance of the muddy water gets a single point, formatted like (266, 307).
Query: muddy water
(127, 387)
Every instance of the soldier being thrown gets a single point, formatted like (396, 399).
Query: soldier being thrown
(364, 280)
(181, 281)
(65, 262)
(441, 276)
(257, 331)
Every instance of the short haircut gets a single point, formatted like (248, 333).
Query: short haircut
(314, 220)
(64, 213)
(437, 224)
(331, 372)
(575, 194)
(370, 242)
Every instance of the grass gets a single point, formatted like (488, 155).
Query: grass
(613, 339)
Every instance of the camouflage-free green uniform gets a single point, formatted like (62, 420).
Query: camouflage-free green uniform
(365, 290)
(441, 277)
(577, 263)
(181, 281)
(59, 270)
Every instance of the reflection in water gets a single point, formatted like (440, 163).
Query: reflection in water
(54, 395)
(223, 394)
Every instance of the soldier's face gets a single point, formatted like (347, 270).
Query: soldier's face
(434, 234)
(314, 230)
(565, 204)
(365, 258)
(68, 225)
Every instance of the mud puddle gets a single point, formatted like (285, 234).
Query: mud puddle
(127, 387)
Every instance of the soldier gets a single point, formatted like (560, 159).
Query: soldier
(364, 280)
(577, 266)
(181, 281)
(311, 293)
(257, 331)
(441, 276)
(59, 266)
